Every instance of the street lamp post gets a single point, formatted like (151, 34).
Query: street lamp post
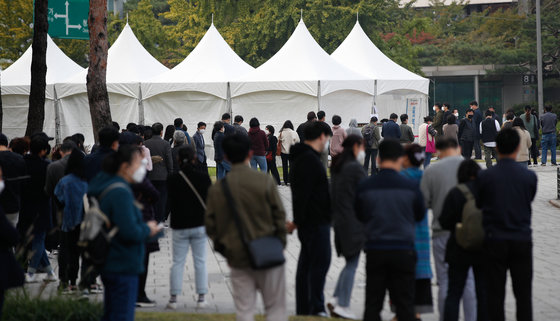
(539, 60)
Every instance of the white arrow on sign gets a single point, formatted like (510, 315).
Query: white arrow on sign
(67, 18)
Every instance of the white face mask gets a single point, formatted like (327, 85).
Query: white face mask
(434, 108)
(139, 174)
(2, 186)
(361, 157)
(456, 114)
(201, 131)
(267, 132)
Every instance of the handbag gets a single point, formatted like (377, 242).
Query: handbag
(193, 189)
(264, 252)
(279, 146)
(430, 144)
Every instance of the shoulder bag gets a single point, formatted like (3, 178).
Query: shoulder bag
(186, 179)
(279, 146)
(430, 143)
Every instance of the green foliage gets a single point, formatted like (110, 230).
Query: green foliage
(20, 306)
(16, 17)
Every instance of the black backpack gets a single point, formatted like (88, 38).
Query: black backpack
(96, 231)
(369, 135)
(469, 233)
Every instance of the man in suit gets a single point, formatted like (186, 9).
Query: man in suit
(199, 143)
(162, 166)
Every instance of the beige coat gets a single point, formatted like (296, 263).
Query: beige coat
(524, 144)
(288, 137)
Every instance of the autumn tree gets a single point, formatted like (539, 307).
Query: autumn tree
(36, 111)
(97, 73)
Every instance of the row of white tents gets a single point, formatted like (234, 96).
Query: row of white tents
(356, 81)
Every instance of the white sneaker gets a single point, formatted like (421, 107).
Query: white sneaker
(51, 277)
(344, 313)
(171, 305)
(202, 304)
(31, 278)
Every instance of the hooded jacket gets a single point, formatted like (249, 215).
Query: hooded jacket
(339, 135)
(259, 142)
(310, 187)
(353, 128)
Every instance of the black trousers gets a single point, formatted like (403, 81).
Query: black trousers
(517, 257)
(161, 205)
(457, 277)
(271, 168)
(466, 149)
(392, 270)
(286, 167)
(313, 265)
(142, 277)
(534, 151)
(371, 154)
(69, 256)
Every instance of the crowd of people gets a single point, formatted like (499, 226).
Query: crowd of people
(145, 177)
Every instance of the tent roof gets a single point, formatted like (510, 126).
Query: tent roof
(207, 68)
(298, 66)
(358, 53)
(16, 79)
(128, 62)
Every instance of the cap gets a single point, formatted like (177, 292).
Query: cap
(43, 135)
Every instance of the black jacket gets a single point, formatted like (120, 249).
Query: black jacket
(93, 162)
(451, 214)
(272, 145)
(301, 130)
(13, 170)
(186, 209)
(310, 187)
(11, 274)
(218, 150)
(477, 119)
(35, 203)
(147, 195)
(467, 132)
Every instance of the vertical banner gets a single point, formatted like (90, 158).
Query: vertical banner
(412, 110)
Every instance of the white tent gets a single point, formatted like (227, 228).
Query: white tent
(300, 78)
(128, 65)
(16, 84)
(397, 89)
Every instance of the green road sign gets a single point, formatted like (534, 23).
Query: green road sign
(68, 19)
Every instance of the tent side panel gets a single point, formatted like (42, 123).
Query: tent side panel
(15, 108)
(348, 104)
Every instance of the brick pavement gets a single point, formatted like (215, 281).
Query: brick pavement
(546, 285)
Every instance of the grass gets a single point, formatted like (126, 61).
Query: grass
(169, 316)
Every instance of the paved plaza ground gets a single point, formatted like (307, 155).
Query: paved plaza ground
(546, 281)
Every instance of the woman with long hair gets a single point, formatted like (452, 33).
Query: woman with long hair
(288, 137)
(525, 143)
(168, 135)
(347, 171)
(271, 153)
(532, 125)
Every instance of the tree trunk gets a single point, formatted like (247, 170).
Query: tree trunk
(1, 110)
(96, 78)
(36, 113)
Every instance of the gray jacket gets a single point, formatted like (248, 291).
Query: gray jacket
(55, 171)
(438, 179)
(163, 165)
(407, 136)
(353, 128)
(548, 123)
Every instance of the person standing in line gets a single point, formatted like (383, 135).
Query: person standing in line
(438, 119)
(407, 136)
(200, 144)
(508, 123)
(179, 140)
(436, 183)
(259, 145)
(108, 144)
(261, 214)
(124, 261)
(460, 260)
(391, 129)
(222, 166)
(426, 135)
(69, 192)
(347, 172)
(423, 303)
(311, 117)
(180, 126)
(524, 143)
(467, 134)
(321, 117)
(477, 118)
(238, 121)
(339, 135)
(288, 137)
(353, 128)
(228, 128)
(271, 153)
(456, 114)
(372, 137)
(312, 218)
(495, 115)
(162, 166)
(389, 205)
(548, 125)
(446, 107)
(489, 129)
(451, 129)
(532, 126)
(13, 166)
(505, 194)
(168, 135)
(187, 224)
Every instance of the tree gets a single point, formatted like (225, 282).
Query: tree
(96, 78)
(16, 16)
(36, 111)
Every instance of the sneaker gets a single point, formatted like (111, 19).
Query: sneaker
(171, 305)
(31, 278)
(344, 313)
(95, 289)
(543, 164)
(201, 303)
(51, 277)
(145, 303)
(322, 315)
(84, 295)
(71, 289)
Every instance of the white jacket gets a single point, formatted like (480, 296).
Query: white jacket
(422, 135)
(288, 137)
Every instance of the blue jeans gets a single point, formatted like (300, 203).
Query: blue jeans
(259, 160)
(39, 258)
(427, 160)
(222, 168)
(119, 298)
(549, 142)
(343, 290)
(182, 239)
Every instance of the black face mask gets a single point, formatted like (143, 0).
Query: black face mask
(470, 116)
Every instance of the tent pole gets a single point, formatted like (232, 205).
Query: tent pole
(140, 105)
(228, 101)
(318, 95)
(373, 108)
(56, 117)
